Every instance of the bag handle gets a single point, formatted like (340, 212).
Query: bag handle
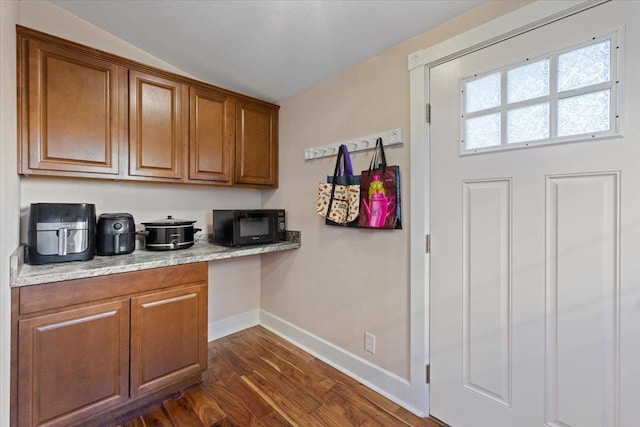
(383, 157)
(337, 170)
(343, 166)
(348, 169)
(343, 162)
(378, 155)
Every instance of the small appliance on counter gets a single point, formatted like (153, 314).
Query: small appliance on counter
(248, 226)
(116, 234)
(61, 232)
(169, 234)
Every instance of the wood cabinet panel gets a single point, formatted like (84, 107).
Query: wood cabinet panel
(211, 133)
(73, 114)
(256, 153)
(87, 348)
(73, 363)
(91, 114)
(155, 126)
(57, 295)
(168, 337)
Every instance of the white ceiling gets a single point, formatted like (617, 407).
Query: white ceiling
(267, 49)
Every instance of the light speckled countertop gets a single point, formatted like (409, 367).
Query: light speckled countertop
(25, 275)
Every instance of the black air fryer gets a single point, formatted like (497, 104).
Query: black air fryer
(60, 232)
(116, 234)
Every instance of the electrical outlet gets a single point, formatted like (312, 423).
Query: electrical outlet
(370, 342)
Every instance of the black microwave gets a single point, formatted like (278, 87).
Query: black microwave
(248, 226)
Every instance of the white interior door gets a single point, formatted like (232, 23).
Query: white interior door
(535, 263)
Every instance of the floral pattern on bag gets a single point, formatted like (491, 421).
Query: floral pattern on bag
(346, 202)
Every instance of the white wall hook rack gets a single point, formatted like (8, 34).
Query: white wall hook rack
(390, 137)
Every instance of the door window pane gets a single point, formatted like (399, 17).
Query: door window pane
(527, 82)
(567, 95)
(528, 123)
(584, 113)
(483, 131)
(483, 93)
(585, 66)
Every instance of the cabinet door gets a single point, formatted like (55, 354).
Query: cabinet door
(70, 120)
(155, 126)
(168, 337)
(210, 136)
(256, 145)
(73, 364)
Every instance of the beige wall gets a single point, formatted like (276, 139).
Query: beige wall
(234, 287)
(9, 191)
(343, 282)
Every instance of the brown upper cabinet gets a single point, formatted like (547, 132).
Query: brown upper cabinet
(256, 145)
(91, 114)
(70, 116)
(156, 113)
(211, 135)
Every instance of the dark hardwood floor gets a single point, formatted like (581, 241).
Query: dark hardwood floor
(256, 378)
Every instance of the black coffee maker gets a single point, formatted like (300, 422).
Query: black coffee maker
(116, 234)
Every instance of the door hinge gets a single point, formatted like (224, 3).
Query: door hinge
(428, 373)
(428, 243)
(427, 113)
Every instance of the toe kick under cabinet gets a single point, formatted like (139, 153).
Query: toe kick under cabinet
(86, 350)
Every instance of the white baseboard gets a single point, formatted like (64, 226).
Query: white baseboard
(386, 383)
(233, 324)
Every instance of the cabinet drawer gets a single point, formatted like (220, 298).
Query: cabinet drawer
(62, 294)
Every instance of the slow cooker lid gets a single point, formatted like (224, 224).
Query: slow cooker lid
(169, 221)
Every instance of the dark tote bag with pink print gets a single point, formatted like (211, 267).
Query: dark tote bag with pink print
(380, 193)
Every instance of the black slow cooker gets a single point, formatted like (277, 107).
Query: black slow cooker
(169, 234)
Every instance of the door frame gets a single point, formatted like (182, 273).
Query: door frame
(520, 21)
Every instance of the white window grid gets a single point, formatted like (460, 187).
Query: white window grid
(613, 85)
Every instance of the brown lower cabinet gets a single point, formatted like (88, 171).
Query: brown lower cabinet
(88, 349)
